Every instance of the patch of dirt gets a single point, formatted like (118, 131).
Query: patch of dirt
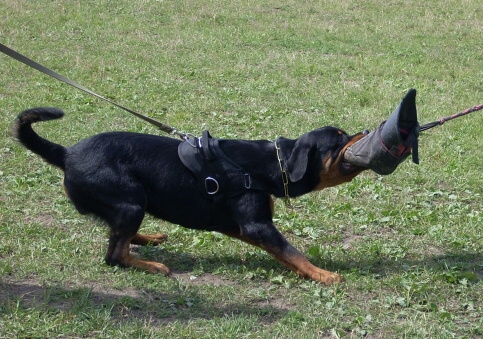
(431, 250)
(278, 303)
(45, 219)
(33, 294)
(351, 240)
(28, 290)
(42, 219)
(204, 279)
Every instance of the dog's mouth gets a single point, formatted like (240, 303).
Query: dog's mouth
(347, 168)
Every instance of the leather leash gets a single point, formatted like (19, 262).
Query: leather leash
(29, 62)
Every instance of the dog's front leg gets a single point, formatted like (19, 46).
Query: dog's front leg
(298, 263)
(267, 237)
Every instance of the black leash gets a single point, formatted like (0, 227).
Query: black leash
(23, 59)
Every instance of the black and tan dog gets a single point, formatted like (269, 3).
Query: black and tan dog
(119, 176)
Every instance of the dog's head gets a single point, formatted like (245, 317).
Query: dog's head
(323, 149)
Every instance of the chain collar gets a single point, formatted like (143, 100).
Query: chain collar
(284, 175)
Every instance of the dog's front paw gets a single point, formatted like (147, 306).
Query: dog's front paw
(332, 278)
(326, 277)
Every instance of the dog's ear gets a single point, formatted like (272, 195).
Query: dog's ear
(298, 161)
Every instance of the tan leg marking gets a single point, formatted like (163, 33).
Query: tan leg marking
(121, 254)
(298, 263)
(153, 240)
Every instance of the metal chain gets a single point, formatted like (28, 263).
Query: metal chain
(284, 175)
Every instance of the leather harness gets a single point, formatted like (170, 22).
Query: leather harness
(218, 176)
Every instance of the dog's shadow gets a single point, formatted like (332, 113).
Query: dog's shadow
(147, 306)
(181, 303)
(159, 308)
(378, 265)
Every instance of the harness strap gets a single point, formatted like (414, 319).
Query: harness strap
(207, 145)
(218, 176)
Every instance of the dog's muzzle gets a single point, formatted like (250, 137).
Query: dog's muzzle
(391, 143)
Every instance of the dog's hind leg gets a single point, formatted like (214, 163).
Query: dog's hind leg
(123, 208)
(124, 229)
(118, 254)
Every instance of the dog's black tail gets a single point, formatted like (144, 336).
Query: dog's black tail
(51, 152)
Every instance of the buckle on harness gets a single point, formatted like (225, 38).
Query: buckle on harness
(211, 186)
(247, 180)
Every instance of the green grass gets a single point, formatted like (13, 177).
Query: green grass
(409, 244)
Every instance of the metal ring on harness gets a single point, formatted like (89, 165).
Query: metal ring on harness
(217, 186)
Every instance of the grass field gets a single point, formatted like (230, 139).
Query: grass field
(410, 244)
